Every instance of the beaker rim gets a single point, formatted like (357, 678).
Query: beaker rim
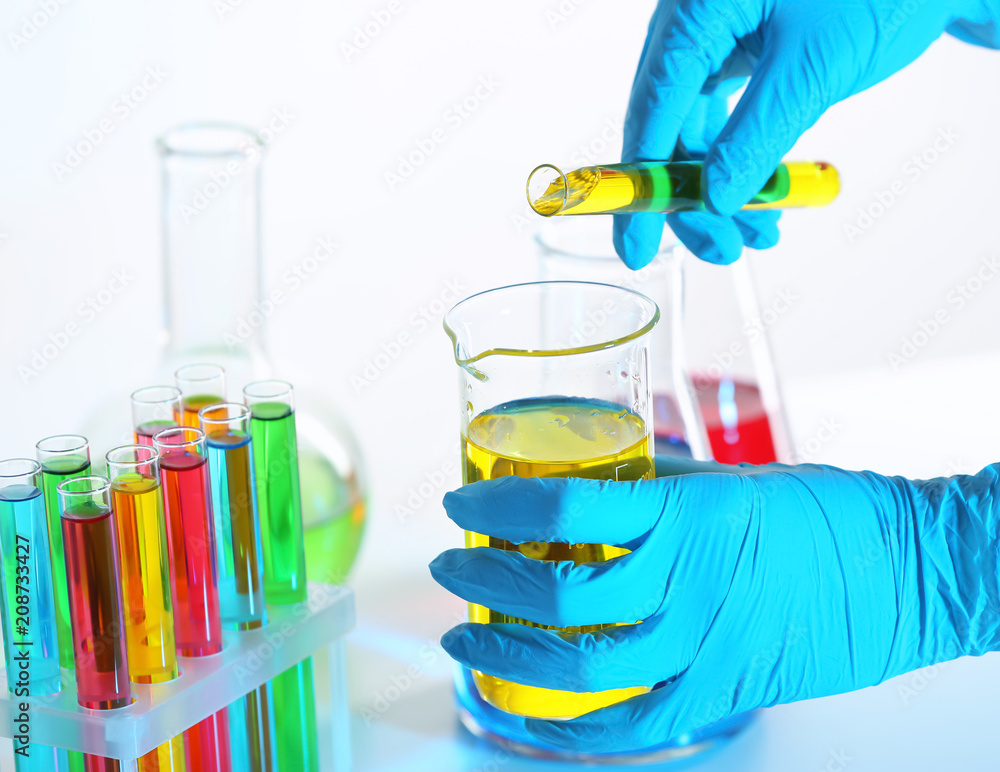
(644, 329)
(178, 140)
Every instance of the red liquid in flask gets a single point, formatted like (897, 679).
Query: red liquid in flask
(735, 420)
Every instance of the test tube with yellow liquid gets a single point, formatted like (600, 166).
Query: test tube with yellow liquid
(668, 186)
(554, 382)
(137, 502)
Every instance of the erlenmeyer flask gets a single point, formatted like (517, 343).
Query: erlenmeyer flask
(580, 249)
(729, 362)
(215, 311)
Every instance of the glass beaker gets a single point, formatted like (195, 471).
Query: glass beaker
(215, 310)
(554, 381)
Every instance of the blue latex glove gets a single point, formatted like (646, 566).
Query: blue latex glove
(804, 56)
(757, 586)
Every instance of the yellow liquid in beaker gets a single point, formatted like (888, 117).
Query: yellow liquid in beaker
(553, 437)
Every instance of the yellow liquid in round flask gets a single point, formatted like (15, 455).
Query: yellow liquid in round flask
(553, 437)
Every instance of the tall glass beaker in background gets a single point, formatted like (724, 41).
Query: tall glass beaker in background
(719, 339)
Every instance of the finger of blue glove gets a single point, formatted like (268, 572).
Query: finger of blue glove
(712, 238)
(557, 509)
(558, 593)
(663, 714)
(637, 237)
(759, 229)
(679, 55)
(783, 99)
(614, 658)
(683, 48)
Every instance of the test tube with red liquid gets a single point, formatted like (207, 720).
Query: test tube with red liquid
(93, 577)
(193, 576)
(154, 408)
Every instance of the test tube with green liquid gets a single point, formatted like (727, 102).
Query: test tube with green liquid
(668, 186)
(61, 457)
(276, 468)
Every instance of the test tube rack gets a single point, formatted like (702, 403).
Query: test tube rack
(207, 684)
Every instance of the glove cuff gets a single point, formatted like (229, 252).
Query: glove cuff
(957, 525)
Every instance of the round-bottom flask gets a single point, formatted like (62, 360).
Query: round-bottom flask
(213, 301)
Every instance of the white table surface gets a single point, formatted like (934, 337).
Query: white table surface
(931, 417)
(928, 418)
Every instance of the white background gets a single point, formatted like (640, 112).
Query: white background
(561, 75)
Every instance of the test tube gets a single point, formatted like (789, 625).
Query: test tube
(61, 457)
(241, 588)
(276, 469)
(154, 408)
(194, 577)
(200, 385)
(93, 576)
(659, 186)
(31, 643)
(137, 502)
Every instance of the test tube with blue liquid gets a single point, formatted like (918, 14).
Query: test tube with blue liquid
(240, 565)
(31, 643)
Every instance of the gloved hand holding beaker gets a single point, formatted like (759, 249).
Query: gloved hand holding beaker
(803, 58)
(755, 586)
